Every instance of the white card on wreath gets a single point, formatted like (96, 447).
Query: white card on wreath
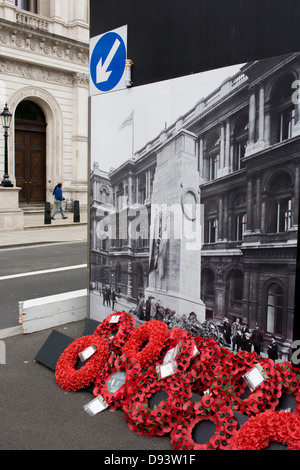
(87, 353)
(96, 406)
(115, 319)
(255, 377)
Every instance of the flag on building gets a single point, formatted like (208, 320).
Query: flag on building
(128, 121)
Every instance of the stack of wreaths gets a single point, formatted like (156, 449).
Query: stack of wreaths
(200, 380)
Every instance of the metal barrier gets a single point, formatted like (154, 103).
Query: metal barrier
(47, 219)
(76, 212)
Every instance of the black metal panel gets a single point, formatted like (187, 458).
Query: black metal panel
(172, 38)
(53, 347)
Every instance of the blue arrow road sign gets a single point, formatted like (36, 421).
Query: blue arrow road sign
(107, 62)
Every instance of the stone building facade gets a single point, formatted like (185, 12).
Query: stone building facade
(44, 77)
(246, 147)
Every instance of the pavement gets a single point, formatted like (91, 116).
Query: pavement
(36, 231)
(35, 413)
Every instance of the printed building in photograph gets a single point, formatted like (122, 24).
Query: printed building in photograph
(244, 139)
(44, 65)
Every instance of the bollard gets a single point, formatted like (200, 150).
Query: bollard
(76, 214)
(47, 219)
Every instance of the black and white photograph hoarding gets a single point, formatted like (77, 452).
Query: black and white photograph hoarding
(194, 202)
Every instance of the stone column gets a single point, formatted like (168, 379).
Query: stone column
(201, 158)
(258, 210)
(116, 198)
(80, 10)
(55, 9)
(136, 189)
(267, 114)
(252, 122)
(263, 215)
(226, 217)
(148, 189)
(296, 101)
(94, 232)
(130, 201)
(222, 147)
(80, 135)
(295, 220)
(227, 147)
(252, 118)
(221, 219)
(261, 115)
(250, 205)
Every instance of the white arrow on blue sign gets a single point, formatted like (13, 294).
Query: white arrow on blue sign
(108, 54)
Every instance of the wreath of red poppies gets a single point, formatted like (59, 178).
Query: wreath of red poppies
(212, 358)
(205, 409)
(116, 333)
(290, 380)
(228, 384)
(297, 409)
(266, 396)
(214, 372)
(186, 348)
(114, 365)
(271, 426)
(71, 379)
(146, 342)
(163, 417)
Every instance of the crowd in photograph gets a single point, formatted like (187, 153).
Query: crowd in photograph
(236, 335)
(240, 337)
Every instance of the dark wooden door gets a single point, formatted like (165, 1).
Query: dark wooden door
(30, 161)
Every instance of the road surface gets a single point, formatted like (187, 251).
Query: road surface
(39, 271)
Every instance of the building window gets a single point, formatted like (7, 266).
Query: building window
(28, 5)
(238, 216)
(207, 284)
(104, 195)
(234, 291)
(212, 230)
(240, 225)
(286, 124)
(238, 279)
(212, 156)
(211, 216)
(240, 142)
(212, 167)
(121, 202)
(280, 204)
(275, 309)
(284, 110)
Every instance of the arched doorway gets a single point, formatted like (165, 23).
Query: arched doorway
(30, 152)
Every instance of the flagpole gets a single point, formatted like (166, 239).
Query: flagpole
(133, 138)
(129, 121)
